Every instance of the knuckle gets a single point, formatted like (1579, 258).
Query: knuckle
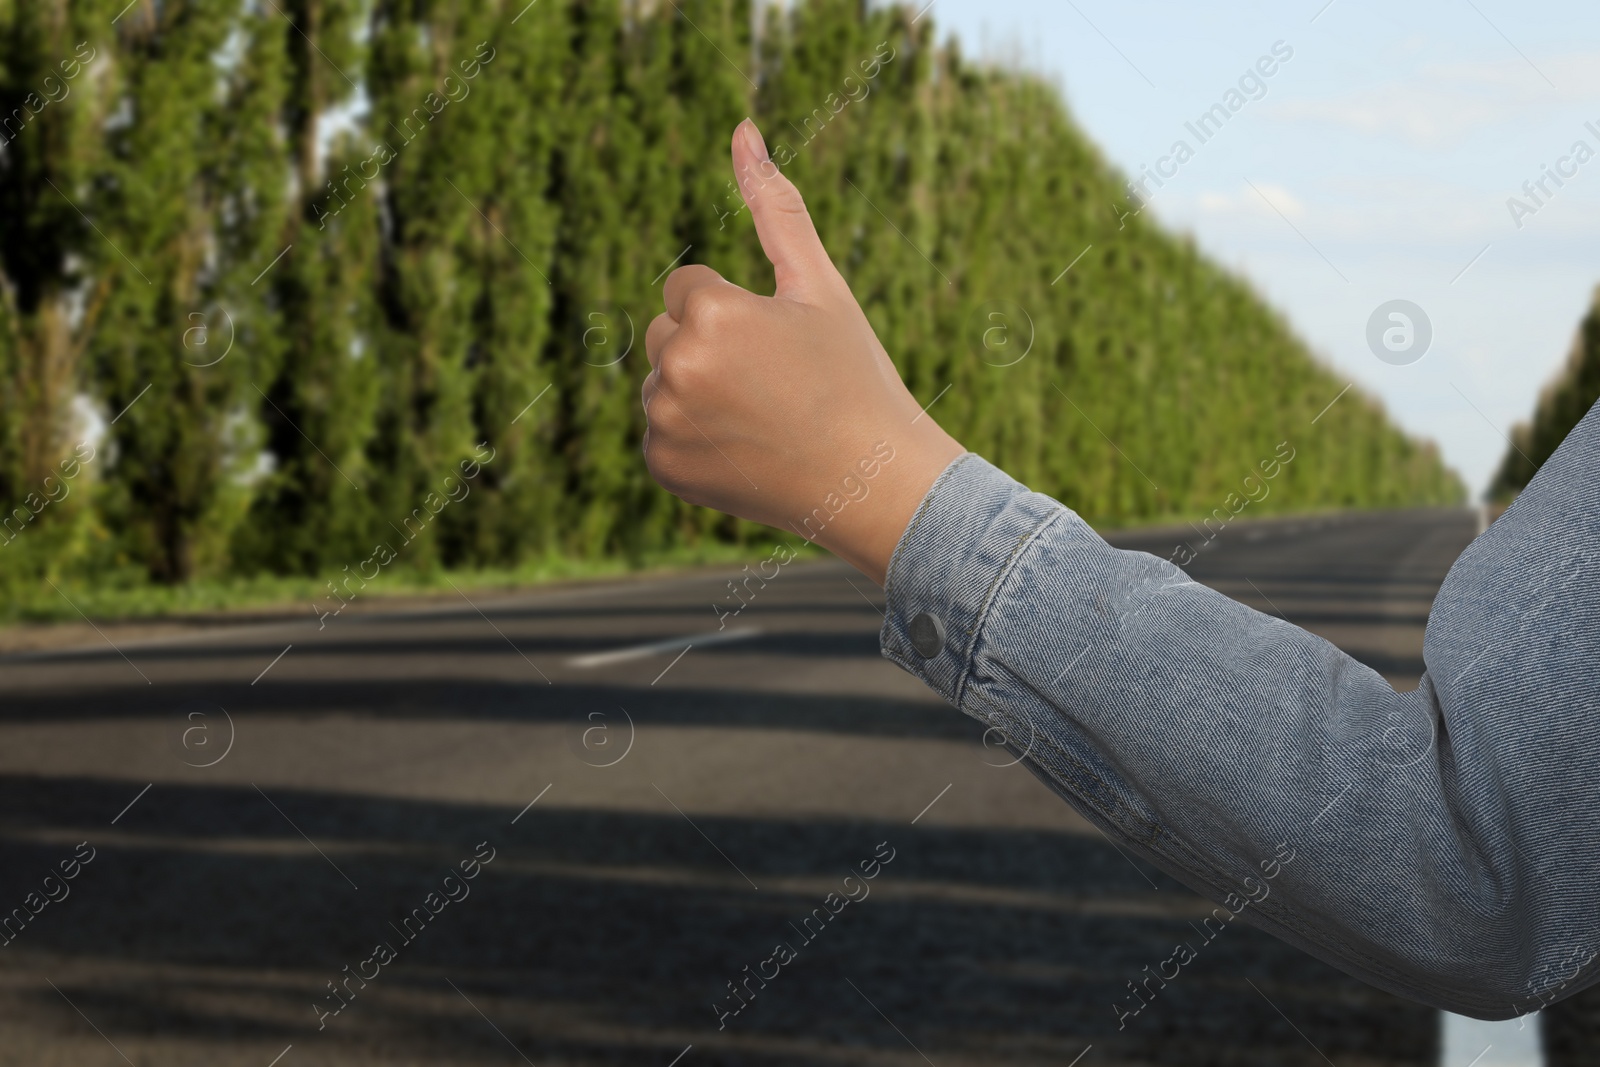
(780, 196)
(686, 274)
(655, 462)
(655, 344)
(788, 201)
(660, 410)
(657, 333)
(691, 372)
(709, 305)
(664, 469)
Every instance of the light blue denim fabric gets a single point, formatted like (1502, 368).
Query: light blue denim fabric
(1445, 842)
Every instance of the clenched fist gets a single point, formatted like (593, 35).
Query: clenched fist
(785, 409)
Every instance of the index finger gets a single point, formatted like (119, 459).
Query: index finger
(683, 281)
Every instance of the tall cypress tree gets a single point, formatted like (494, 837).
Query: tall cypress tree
(51, 297)
(315, 383)
(185, 199)
(426, 292)
(504, 136)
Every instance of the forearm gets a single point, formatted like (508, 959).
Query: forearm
(1216, 740)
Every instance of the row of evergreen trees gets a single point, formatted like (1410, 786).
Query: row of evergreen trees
(1565, 401)
(491, 230)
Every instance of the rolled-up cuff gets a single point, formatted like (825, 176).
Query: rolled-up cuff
(966, 535)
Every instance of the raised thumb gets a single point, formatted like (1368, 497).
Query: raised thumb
(801, 265)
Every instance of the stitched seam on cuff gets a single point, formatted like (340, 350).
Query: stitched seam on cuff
(1024, 542)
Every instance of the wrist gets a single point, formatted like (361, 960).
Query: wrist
(866, 535)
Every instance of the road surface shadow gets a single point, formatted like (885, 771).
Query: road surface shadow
(607, 938)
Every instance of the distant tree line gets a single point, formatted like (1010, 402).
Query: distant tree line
(1565, 401)
(285, 265)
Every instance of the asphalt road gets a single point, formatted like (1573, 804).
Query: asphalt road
(656, 819)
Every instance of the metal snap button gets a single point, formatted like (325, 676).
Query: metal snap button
(927, 635)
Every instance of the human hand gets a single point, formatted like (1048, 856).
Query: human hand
(786, 410)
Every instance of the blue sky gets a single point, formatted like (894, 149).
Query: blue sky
(1377, 165)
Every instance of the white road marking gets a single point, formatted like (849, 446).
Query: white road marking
(534, 598)
(656, 648)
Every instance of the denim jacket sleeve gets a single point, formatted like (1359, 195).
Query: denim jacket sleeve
(1442, 844)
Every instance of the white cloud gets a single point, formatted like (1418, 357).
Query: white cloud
(1260, 200)
(1423, 117)
(1443, 103)
(1411, 216)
